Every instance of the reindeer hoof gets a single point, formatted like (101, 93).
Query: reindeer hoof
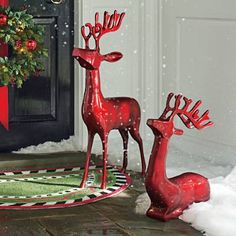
(82, 185)
(154, 212)
(161, 213)
(103, 186)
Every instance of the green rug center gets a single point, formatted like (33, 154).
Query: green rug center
(48, 183)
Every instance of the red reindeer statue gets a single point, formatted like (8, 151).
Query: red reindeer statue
(169, 197)
(100, 114)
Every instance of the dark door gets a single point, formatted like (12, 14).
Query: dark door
(43, 109)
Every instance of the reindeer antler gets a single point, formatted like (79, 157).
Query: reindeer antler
(190, 117)
(111, 23)
(86, 37)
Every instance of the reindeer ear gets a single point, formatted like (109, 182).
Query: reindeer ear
(113, 56)
(178, 131)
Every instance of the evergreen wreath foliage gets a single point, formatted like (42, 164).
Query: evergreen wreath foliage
(25, 40)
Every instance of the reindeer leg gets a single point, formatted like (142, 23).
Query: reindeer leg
(125, 137)
(136, 136)
(104, 138)
(88, 154)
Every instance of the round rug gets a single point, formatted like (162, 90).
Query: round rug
(57, 188)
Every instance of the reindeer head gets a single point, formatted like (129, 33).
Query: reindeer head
(164, 125)
(91, 58)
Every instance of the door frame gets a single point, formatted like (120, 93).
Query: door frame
(67, 93)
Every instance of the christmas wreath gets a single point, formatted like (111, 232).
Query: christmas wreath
(25, 40)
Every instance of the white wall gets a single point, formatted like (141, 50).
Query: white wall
(185, 46)
(199, 51)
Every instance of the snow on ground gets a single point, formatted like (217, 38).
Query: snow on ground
(215, 217)
(66, 145)
(177, 161)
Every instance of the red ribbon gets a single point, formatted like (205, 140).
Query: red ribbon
(4, 120)
(4, 3)
(4, 106)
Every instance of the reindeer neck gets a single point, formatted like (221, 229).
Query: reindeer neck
(157, 162)
(93, 84)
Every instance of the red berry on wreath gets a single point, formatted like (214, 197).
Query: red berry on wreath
(31, 44)
(18, 44)
(3, 19)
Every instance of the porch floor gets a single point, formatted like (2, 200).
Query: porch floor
(112, 216)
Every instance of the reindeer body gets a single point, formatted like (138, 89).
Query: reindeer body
(170, 196)
(104, 114)
(100, 114)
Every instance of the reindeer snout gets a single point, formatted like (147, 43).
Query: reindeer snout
(150, 122)
(76, 52)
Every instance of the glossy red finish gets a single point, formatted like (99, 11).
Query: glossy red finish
(100, 114)
(3, 19)
(31, 44)
(3, 89)
(170, 196)
(4, 3)
(4, 106)
(3, 46)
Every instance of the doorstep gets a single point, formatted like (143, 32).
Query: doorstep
(13, 161)
(113, 216)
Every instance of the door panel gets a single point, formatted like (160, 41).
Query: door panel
(198, 52)
(43, 109)
(41, 103)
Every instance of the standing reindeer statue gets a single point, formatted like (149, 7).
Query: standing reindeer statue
(100, 114)
(169, 197)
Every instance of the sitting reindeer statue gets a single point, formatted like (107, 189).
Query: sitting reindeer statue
(100, 114)
(169, 197)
